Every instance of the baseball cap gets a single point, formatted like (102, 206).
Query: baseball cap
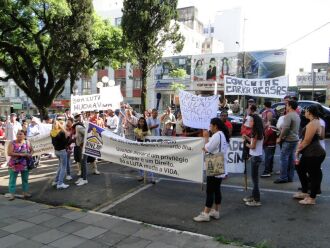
(251, 100)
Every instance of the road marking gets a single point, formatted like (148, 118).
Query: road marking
(122, 199)
(240, 187)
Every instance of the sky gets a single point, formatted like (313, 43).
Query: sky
(272, 24)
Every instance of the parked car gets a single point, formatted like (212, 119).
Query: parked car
(236, 121)
(303, 104)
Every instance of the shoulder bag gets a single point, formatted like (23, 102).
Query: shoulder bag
(215, 163)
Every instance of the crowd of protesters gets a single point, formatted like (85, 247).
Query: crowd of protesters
(262, 134)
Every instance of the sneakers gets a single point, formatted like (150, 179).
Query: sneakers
(54, 184)
(96, 172)
(62, 186)
(82, 182)
(214, 214)
(253, 203)
(202, 217)
(248, 199)
(68, 177)
(11, 197)
(264, 175)
(307, 201)
(78, 181)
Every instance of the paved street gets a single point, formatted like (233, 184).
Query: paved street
(280, 222)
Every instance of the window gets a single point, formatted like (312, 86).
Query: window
(121, 82)
(86, 87)
(117, 21)
(17, 92)
(137, 83)
(212, 30)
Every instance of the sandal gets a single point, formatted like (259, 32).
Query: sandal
(307, 201)
(300, 195)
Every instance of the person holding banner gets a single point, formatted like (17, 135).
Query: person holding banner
(219, 140)
(141, 131)
(255, 145)
(130, 122)
(19, 150)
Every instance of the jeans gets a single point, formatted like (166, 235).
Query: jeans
(287, 160)
(269, 159)
(312, 167)
(83, 167)
(255, 162)
(149, 174)
(62, 157)
(213, 192)
(12, 181)
(68, 164)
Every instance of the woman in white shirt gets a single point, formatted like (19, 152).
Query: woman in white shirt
(218, 141)
(255, 144)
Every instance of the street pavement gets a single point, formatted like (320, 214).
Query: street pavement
(172, 203)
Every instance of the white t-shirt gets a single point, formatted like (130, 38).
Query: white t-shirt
(152, 122)
(112, 123)
(258, 150)
(280, 122)
(213, 147)
(322, 142)
(11, 130)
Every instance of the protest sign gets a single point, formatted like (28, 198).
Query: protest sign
(181, 158)
(197, 111)
(41, 144)
(235, 162)
(109, 98)
(268, 87)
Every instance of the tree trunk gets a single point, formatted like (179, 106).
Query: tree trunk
(43, 113)
(143, 90)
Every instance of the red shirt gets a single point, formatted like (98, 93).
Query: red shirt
(228, 124)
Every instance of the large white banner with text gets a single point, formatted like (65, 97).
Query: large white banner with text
(197, 111)
(268, 87)
(181, 158)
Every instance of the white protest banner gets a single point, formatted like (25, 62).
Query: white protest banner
(111, 96)
(197, 111)
(235, 162)
(268, 87)
(41, 144)
(110, 99)
(182, 158)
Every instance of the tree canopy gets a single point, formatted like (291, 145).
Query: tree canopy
(148, 26)
(45, 42)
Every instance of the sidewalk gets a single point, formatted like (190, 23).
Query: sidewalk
(28, 224)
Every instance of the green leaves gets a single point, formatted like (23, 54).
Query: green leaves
(147, 26)
(44, 42)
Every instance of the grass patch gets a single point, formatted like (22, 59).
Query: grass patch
(263, 244)
(223, 240)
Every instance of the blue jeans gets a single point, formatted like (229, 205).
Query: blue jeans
(287, 160)
(68, 164)
(255, 162)
(62, 157)
(269, 159)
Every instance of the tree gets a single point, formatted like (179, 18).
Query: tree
(2, 91)
(177, 86)
(45, 42)
(148, 25)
